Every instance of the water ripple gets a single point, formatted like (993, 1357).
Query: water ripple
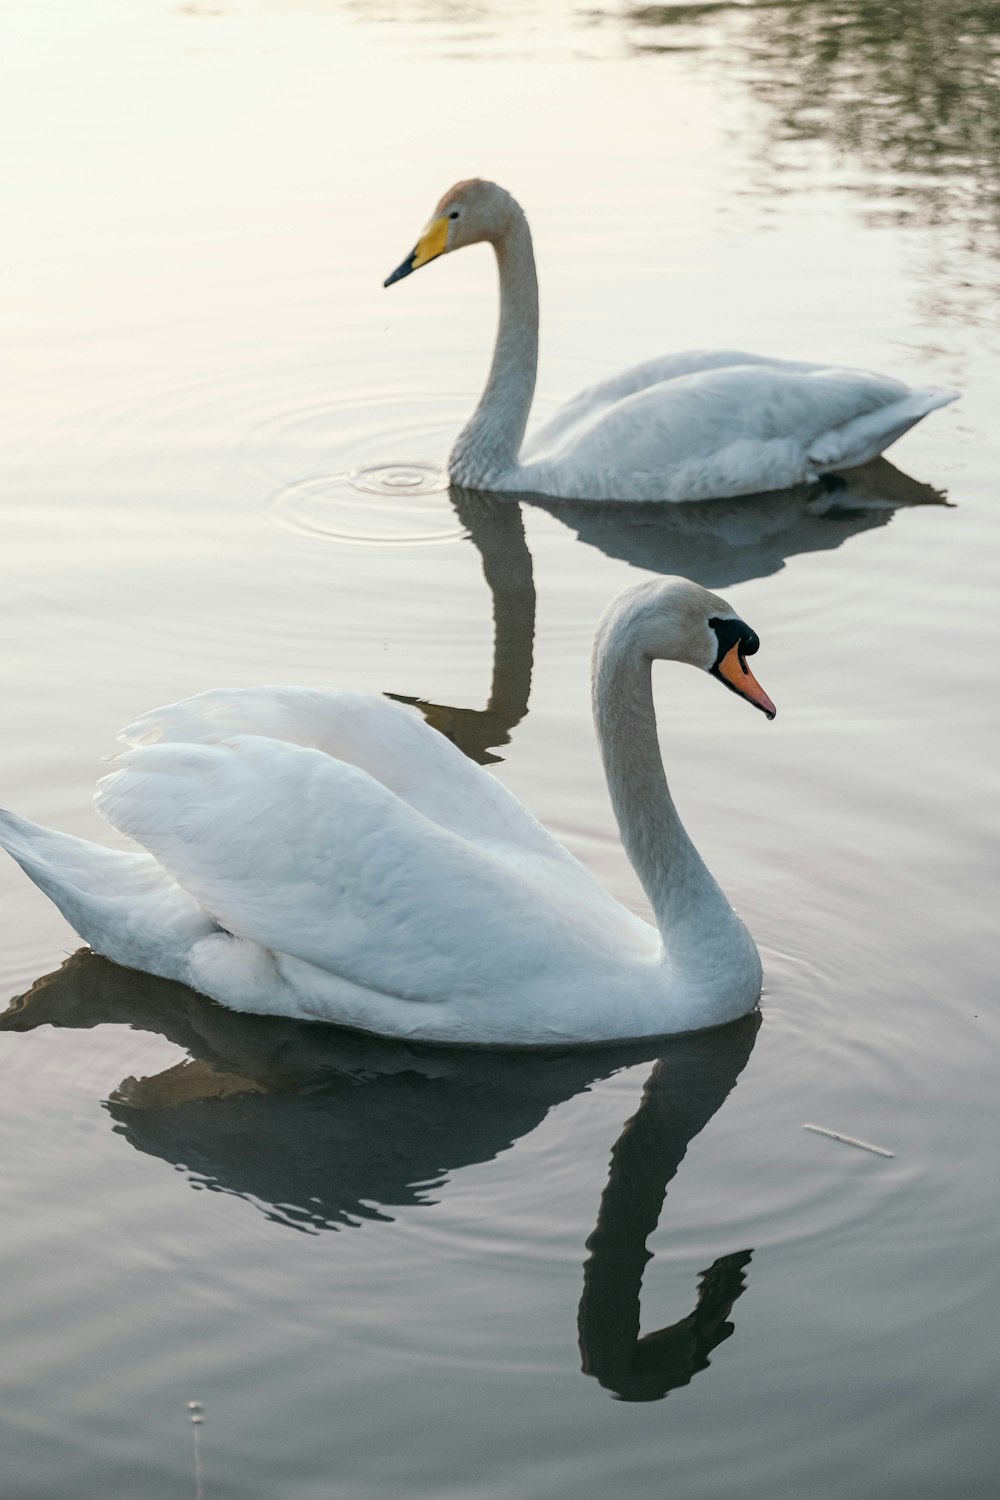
(336, 506)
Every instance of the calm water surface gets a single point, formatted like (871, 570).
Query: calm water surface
(390, 1272)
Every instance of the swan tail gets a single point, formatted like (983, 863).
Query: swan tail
(865, 437)
(122, 904)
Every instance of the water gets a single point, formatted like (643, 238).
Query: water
(386, 1271)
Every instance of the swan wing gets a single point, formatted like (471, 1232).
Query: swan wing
(724, 432)
(396, 748)
(401, 752)
(596, 398)
(310, 857)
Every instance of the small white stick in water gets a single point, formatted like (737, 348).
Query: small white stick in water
(849, 1140)
(195, 1408)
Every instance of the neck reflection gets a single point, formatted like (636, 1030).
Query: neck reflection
(497, 530)
(321, 1129)
(688, 1084)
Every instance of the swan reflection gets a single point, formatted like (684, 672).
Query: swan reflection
(496, 528)
(714, 542)
(322, 1129)
(687, 1085)
(721, 542)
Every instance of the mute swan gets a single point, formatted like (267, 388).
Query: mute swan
(326, 855)
(694, 426)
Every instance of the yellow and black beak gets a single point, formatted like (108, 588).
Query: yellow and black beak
(736, 642)
(432, 243)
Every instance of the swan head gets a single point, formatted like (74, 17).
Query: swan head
(677, 620)
(469, 213)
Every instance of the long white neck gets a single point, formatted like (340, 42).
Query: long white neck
(488, 445)
(696, 922)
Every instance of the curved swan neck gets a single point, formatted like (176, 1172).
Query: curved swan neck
(489, 443)
(688, 905)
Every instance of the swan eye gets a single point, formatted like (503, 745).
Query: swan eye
(453, 214)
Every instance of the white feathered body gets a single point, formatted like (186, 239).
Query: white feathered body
(712, 423)
(704, 424)
(343, 862)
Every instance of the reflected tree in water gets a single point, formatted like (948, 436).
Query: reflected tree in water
(908, 89)
(910, 92)
(913, 87)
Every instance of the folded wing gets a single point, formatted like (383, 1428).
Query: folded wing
(312, 857)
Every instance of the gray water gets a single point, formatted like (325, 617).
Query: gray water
(384, 1271)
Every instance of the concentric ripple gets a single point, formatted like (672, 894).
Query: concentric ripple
(399, 479)
(334, 481)
(336, 507)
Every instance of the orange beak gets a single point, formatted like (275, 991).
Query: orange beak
(736, 674)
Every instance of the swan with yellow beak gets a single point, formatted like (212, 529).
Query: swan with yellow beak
(690, 426)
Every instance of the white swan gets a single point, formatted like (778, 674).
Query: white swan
(691, 426)
(326, 855)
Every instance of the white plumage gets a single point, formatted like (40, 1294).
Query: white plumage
(690, 426)
(325, 855)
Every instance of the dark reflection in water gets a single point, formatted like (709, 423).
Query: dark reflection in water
(715, 542)
(496, 528)
(688, 1084)
(722, 542)
(908, 91)
(321, 1128)
(911, 90)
